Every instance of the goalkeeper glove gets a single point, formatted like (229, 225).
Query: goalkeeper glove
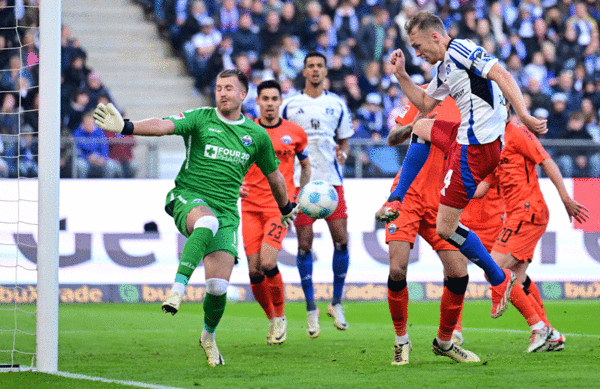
(108, 118)
(388, 212)
(289, 213)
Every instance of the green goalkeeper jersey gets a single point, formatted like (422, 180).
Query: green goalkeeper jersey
(219, 152)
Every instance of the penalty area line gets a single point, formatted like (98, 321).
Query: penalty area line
(111, 381)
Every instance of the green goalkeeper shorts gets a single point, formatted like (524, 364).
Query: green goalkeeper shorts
(180, 202)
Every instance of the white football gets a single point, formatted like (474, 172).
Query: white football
(318, 199)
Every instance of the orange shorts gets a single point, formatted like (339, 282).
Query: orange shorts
(519, 238)
(262, 227)
(414, 219)
(341, 212)
(487, 234)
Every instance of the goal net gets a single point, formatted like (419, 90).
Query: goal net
(29, 148)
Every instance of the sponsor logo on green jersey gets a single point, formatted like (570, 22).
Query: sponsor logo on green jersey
(217, 152)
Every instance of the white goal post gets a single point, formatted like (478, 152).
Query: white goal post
(48, 187)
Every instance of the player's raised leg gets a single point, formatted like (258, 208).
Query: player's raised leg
(304, 261)
(218, 266)
(471, 247)
(341, 259)
(201, 225)
(398, 299)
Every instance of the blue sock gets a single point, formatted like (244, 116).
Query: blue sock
(341, 259)
(416, 156)
(469, 244)
(304, 261)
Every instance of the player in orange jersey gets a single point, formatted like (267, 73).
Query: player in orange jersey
(417, 214)
(262, 230)
(525, 222)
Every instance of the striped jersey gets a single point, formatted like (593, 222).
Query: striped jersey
(324, 119)
(463, 75)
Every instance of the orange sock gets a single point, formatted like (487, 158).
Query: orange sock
(277, 294)
(519, 299)
(534, 294)
(398, 303)
(261, 294)
(458, 326)
(450, 310)
(540, 311)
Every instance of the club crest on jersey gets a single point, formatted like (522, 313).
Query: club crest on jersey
(286, 139)
(246, 140)
(448, 69)
(404, 111)
(392, 228)
(178, 116)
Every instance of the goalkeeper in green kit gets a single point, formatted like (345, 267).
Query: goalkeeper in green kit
(221, 145)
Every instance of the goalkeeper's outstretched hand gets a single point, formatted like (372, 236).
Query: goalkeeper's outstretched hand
(388, 212)
(289, 213)
(108, 118)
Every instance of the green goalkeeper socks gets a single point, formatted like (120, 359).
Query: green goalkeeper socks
(193, 253)
(214, 306)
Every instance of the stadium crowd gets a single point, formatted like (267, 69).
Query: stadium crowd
(552, 48)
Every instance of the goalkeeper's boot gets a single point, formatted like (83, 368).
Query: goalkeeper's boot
(454, 352)
(208, 343)
(171, 305)
(279, 333)
(401, 352)
(556, 341)
(337, 313)
(270, 333)
(539, 340)
(457, 338)
(313, 328)
(501, 294)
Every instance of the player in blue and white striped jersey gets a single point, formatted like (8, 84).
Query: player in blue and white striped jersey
(326, 119)
(480, 87)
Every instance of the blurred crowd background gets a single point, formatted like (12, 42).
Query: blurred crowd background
(552, 48)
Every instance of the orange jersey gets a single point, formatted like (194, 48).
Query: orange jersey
(288, 140)
(518, 177)
(486, 212)
(426, 186)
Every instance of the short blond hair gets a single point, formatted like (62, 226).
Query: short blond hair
(424, 20)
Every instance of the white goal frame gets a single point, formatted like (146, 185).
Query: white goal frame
(48, 187)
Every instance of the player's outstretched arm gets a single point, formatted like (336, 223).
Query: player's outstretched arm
(574, 209)
(289, 210)
(512, 92)
(109, 118)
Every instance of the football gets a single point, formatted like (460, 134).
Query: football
(318, 199)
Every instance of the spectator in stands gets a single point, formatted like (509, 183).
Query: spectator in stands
(9, 115)
(371, 36)
(568, 50)
(73, 113)
(290, 22)
(258, 12)
(590, 118)
(292, 58)
(484, 31)
(76, 73)
(345, 21)
(558, 117)
(203, 45)
(3, 163)
(552, 64)
(556, 23)
(310, 25)
(337, 72)
(93, 159)
(31, 104)
(538, 98)
(96, 89)
(578, 162)
(589, 92)
(497, 23)
(9, 80)
(537, 69)
(21, 153)
(514, 45)
(323, 46)
(186, 26)
(272, 32)
(371, 115)
(392, 98)
(67, 144)
(583, 23)
(326, 26)
(228, 16)
(515, 67)
(370, 79)
(467, 27)
(246, 38)
(565, 85)
(540, 35)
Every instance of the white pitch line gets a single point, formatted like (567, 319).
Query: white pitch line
(111, 381)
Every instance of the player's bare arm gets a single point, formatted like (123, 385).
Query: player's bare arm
(415, 93)
(304, 172)
(511, 90)
(341, 150)
(109, 118)
(481, 190)
(574, 209)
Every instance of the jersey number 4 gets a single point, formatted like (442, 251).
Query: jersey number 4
(447, 181)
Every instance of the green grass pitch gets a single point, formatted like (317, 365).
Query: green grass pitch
(140, 343)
